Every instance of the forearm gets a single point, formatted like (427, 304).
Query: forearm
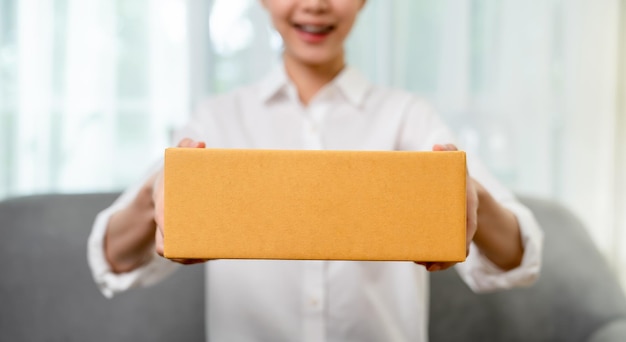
(129, 238)
(498, 234)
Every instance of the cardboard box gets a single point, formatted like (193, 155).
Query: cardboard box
(329, 205)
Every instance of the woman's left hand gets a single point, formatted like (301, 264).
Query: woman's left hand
(472, 215)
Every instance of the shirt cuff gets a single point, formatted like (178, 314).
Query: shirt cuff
(109, 282)
(482, 275)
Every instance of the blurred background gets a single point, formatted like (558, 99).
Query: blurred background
(90, 90)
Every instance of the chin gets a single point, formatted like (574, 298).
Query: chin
(316, 58)
(316, 61)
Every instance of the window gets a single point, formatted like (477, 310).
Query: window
(90, 90)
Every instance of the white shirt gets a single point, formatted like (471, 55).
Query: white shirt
(267, 300)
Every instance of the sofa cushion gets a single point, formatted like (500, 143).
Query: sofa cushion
(47, 293)
(575, 295)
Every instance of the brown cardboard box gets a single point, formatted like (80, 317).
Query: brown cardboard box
(333, 205)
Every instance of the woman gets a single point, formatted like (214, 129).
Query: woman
(315, 101)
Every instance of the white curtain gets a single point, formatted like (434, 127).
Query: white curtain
(89, 90)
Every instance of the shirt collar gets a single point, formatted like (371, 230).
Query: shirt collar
(353, 85)
(273, 84)
(349, 82)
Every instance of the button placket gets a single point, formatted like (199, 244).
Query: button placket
(313, 304)
(314, 280)
(313, 120)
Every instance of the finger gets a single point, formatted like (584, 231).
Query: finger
(158, 241)
(189, 261)
(445, 147)
(436, 266)
(185, 142)
(157, 199)
(451, 147)
(472, 211)
(438, 147)
(425, 264)
(440, 266)
(188, 142)
(158, 217)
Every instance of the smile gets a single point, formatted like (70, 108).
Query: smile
(315, 29)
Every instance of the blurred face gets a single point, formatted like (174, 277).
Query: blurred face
(314, 31)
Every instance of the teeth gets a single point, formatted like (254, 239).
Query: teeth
(315, 28)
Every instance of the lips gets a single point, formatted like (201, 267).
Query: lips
(314, 29)
(313, 33)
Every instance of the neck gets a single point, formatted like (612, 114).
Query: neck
(310, 78)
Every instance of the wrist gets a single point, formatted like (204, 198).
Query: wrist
(497, 233)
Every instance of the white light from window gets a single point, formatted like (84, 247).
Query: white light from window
(230, 29)
(172, 16)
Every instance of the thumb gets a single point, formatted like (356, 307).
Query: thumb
(188, 142)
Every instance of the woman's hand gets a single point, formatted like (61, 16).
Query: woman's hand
(472, 216)
(157, 197)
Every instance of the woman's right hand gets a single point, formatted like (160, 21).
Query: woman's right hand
(157, 198)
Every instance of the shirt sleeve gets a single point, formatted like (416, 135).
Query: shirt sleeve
(422, 129)
(107, 281)
(157, 267)
(480, 274)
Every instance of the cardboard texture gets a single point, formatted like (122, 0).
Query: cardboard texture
(325, 205)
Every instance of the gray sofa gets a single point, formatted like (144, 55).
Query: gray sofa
(46, 291)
